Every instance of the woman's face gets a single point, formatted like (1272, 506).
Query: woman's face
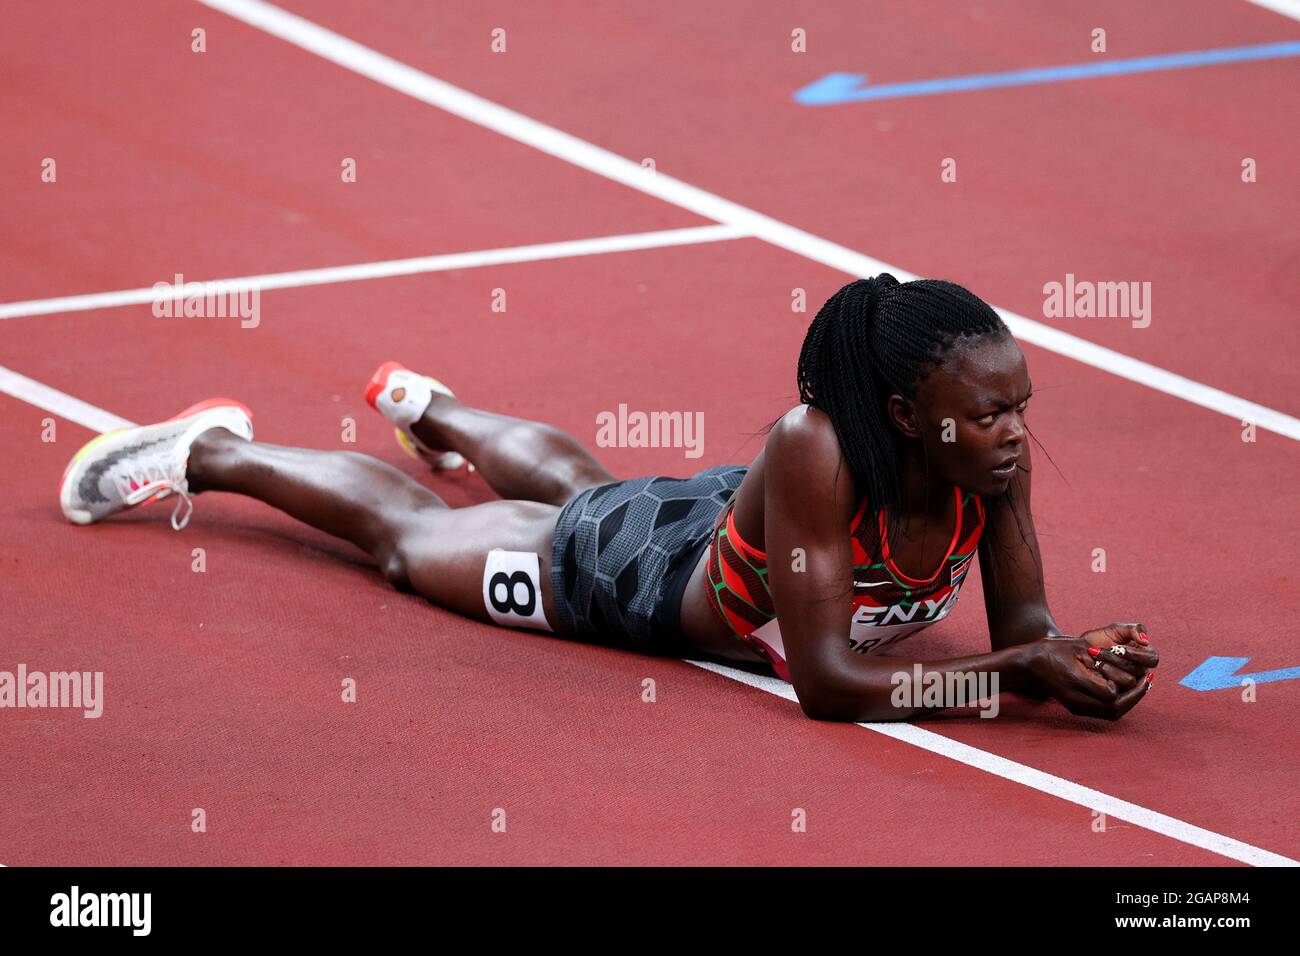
(971, 415)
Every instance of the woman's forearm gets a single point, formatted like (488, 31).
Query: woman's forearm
(1025, 628)
(872, 689)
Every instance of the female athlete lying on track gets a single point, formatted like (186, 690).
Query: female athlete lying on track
(854, 527)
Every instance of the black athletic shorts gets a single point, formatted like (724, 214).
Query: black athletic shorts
(624, 552)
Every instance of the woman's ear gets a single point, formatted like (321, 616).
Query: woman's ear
(902, 414)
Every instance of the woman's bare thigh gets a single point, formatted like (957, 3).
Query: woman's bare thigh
(446, 549)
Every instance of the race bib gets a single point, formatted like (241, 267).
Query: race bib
(512, 589)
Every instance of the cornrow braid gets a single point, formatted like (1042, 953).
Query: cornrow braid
(875, 338)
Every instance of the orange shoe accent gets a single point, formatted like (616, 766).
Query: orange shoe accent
(378, 380)
(207, 403)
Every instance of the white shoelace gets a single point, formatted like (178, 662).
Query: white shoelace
(186, 502)
(152, 482)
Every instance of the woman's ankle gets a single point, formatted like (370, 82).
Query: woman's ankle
(429, 426)
(209, 452)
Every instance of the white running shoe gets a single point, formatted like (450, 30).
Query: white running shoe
(401, 396)
(132, 466)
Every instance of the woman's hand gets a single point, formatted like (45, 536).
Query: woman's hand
(1124, 650)
(1102, 673)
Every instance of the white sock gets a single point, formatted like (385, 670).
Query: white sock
(404, 398)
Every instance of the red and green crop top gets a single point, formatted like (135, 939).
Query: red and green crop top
(887, 605)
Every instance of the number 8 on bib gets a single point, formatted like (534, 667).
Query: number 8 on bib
(512, 589)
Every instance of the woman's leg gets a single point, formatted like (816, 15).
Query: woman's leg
(520, 459)
(418, 542)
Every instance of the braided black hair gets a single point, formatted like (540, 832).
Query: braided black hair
(872, 339)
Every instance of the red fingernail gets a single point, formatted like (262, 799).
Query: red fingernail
(1095, 651)
(1150, 679)
(1143, 639)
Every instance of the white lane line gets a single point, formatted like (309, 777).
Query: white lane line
(381, 270)
(1036, 779)
(1288, 8)
(428, 89)
(52, 400)
(1144, 373)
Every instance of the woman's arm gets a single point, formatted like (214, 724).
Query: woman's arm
(1012, 568)
(1016, 602)
(809, 505)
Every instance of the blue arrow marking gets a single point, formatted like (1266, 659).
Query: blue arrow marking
(848, 87)
(1220, 673)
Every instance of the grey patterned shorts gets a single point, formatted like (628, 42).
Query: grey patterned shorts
(618, 546)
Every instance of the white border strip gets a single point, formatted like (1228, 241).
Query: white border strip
(1288, 8)
(1055, 786)
(428, 89)
(387, 269)
(52, 400)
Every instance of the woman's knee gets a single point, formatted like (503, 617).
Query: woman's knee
(563, 468)
(405, 535)
(395, 565)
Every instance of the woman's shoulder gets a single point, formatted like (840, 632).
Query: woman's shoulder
(803, 457)
(805, 430)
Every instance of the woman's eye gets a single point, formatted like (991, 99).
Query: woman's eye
(991, 416)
